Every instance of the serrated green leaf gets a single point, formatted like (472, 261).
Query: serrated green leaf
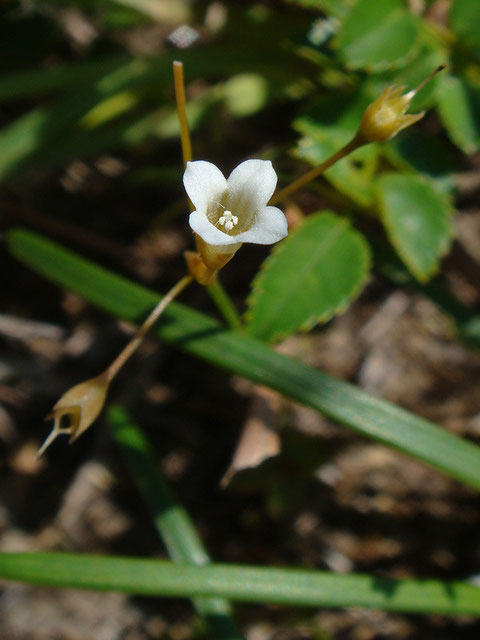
(307, 278)
(459, 108)
(465, 21)
(378, 35)
(417, 220)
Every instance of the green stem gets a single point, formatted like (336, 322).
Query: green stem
(225, 305)
(171, 520)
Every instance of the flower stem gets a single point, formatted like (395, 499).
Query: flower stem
(218, 294)
(182, 111)
(225, 305)
(134, 343)
(354, 144)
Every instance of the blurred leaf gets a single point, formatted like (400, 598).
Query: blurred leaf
(21, 84)
(417, 220)
(459, 109)
(465, 21)
(336, 8)
(378, 35)
(311, 275)
(42, 127)
(167, 11)
(252, 359)
(430, 56)
(245, 94)
(295, 587)
(426, 153)
(46, 132)
(327, 125)
(352, 176)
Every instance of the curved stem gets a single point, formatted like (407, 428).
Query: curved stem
(354, 144)
(135, 342)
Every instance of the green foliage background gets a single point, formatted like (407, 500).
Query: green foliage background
(82, 84)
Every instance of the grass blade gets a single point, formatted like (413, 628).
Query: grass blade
(171, 520)
(206, 339)
(295, 587)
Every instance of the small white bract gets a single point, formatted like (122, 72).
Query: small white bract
(233, 211)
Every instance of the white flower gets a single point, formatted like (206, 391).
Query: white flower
(230, 212)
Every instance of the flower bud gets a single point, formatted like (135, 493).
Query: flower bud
(81, 404)
(386, 116)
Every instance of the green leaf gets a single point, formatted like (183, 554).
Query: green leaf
(429, 57)
(252, 359)
(458, 105)
(465, 21)
(417, 220)
(327, 125)
(294, 587)
(21, 84)
(56, 132)
(378, 35)
(310, 276)
(172, 521)
(336, 8)
(426, 153)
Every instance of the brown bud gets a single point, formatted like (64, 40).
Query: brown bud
(81, 405)
(216, 256)
(386, 116)
(198, 269)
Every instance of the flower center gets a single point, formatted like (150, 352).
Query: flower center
(228, 220)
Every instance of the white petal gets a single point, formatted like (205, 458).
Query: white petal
(210, 234)
(251, 185)
(204, 183)
(268, 227)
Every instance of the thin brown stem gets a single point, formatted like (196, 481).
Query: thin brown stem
(182, 111)
(355, 143)
(134, 343)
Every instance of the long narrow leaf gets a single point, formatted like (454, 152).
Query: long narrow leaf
(252, 359)
(296, 587)
(172, 521)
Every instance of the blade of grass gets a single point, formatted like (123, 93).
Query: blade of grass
(171, 520)
(294, 587)
(22, 84)
(245, 356)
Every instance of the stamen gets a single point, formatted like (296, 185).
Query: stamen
(228, 220)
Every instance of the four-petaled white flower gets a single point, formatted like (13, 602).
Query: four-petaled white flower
(230, 212)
